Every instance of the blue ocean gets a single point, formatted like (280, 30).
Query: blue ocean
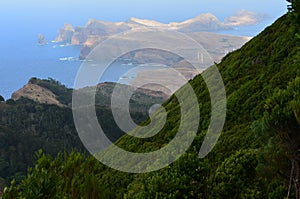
(23, 60)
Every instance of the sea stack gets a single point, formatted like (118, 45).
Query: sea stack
(41, 39)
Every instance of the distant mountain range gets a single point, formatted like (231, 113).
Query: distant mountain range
(204, 22)
(96, 31)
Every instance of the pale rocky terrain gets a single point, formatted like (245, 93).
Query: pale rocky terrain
(37, 94)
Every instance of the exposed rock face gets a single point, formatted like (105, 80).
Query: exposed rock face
(91, 42)
(65, 34)
(41, 39)
(80, 36)
(36, 93)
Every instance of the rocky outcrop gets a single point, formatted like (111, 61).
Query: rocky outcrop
(37, 94)
(41, 39)
(91, 42)
(80, 36)
(65, 34)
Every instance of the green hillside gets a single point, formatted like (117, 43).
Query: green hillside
(257, 155)
(27, 126)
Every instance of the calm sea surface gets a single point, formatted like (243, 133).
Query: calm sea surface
(55, 60)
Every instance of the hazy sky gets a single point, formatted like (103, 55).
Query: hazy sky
(45, 15)
(120, 10)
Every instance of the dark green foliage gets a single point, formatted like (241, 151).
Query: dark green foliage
(2, 99)
(67, 176)
(236, 177)
(27, 126)
(294, 9)
(295, 5)
(280, 128)
(252, 158)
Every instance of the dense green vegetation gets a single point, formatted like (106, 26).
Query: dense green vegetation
(257, 155)
(27, 126)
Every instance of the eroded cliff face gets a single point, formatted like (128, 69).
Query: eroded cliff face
(65, 34)
(37, 94)
(80, 36)
(93, 28)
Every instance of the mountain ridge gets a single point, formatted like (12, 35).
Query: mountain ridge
(202, 22)
(96, 31)
(51, 92)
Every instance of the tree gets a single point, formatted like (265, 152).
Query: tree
(69, 175)
(294, 7)
(281, 125)
(235, 177)
(290, 7)
(2, 99)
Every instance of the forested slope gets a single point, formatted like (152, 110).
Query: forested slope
(27, 126)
